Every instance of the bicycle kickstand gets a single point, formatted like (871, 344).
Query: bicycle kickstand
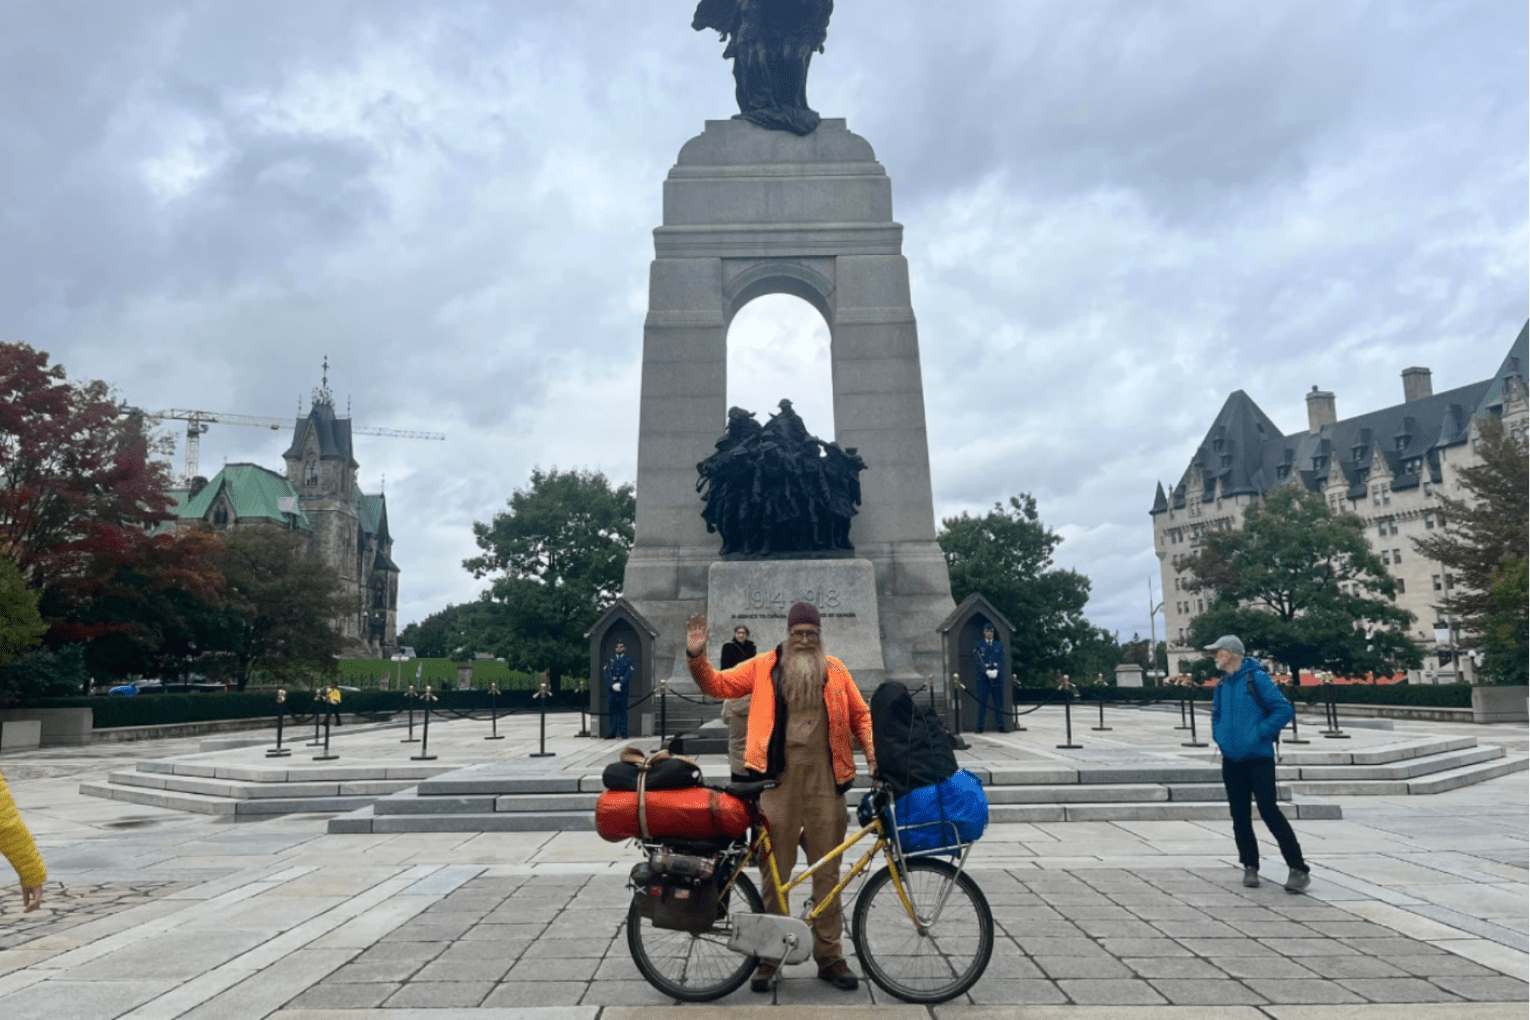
(775, 979)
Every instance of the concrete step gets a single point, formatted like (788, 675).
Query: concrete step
(1409, 768)
(1467, 775)
(241, 790)
(207, 804)
(1331, 755)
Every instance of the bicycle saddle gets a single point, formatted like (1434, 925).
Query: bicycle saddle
(750, 791)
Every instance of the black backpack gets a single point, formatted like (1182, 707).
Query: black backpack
(913, 749)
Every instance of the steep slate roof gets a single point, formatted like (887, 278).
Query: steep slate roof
(253, 491)
(333, 434)
(1245, 453)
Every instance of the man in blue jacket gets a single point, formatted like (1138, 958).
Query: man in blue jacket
(1247, 714)
(988, 657)
(619, 685)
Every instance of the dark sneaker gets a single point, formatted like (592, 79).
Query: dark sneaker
(1298, 882)
(1251, 878)
(838, 974)
(762, 977)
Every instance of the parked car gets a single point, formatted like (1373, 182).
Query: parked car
(404, 654)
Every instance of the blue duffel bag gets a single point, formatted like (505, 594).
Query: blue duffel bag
(942, 816)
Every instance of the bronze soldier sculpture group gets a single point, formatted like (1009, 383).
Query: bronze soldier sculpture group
(772, 489)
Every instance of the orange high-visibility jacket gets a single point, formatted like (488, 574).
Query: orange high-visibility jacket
(752, 678)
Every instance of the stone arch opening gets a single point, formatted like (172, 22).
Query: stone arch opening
(778, 346)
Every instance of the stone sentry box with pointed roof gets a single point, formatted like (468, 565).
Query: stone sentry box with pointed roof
(959, 634)
(749, 212)
(622, 624)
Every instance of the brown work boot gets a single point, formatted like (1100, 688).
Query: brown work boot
(761, 980)
(838, 974)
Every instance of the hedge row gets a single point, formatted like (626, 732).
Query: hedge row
(1423, 696)
(369, 674)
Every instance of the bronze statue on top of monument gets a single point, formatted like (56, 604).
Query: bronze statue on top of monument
(771, 43)
(775, 491)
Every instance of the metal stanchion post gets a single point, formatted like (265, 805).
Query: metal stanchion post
(315, 742)
(1295, 737)
(958, 743)
(494, 733)
(281, 712)
(1067, 688)
(542, 694)
(1194, 741)
(326, 756)
(1183, 725)
(663, 710)
(425, 754)
(1333, 732)
(1014, 705)
(584, 723)
(409, 696)
(1099, 685)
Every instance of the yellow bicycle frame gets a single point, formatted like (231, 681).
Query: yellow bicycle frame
(761, 849)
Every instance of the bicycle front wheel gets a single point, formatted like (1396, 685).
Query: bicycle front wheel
(694, 968)
(947, 956)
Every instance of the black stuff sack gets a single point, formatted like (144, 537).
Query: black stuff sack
(665, 771)
(913, 748)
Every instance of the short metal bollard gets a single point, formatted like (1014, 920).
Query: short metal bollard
(1333, 732)
(1014, 706)
(1295, 737)
(281, 713)
(542, 694)
(494, 713)
(663, 710)
(584, 721)
(409, 696)
(326, 756)
(425, 754)
(315, 742)
(1194, 741)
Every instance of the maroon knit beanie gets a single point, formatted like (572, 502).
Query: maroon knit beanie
(803, 612)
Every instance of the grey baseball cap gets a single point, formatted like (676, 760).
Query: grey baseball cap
(1227, 641)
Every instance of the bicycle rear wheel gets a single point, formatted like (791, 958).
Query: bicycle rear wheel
(945, 959)
(694, 968)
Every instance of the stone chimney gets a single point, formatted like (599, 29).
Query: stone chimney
(1417, 384)
(1321, 410)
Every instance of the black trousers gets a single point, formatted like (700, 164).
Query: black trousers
(1256, 778)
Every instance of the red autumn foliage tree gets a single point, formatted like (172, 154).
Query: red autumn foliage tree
(76, 480)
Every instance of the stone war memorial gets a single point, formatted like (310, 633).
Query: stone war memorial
(777, 200)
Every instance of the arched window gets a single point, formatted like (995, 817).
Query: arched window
(220, 516)
(311, 469)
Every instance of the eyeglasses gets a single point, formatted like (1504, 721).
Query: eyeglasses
(804, 632)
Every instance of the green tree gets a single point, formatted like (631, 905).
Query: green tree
(1093, 653)
(556, 557)
(280, 606)
(1007, 556)
(480, 626)
(1299, 584)
(21, 626)
(1484, 548)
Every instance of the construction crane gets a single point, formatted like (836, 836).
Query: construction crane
(197, 422)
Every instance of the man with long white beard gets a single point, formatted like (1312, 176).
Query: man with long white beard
(803, 709)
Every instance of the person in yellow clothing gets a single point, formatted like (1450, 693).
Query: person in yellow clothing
(332, 698)
(17, 845)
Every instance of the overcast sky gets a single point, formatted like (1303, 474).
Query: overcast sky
(1115, 214)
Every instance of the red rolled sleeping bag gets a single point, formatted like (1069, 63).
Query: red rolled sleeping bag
(696, 813)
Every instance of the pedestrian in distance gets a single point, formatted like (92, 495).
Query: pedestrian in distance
(618, 675)
(740, 649)
(1247, 714)
(804, 709)
(332, 702)
(988, 658)
(735, 711)
(20, 849)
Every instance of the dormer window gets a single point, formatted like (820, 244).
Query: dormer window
(220, 516)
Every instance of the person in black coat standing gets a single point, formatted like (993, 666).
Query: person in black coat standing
(740, 649)
(736, 710)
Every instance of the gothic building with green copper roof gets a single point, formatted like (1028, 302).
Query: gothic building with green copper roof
(1388, 466)
(319, 497)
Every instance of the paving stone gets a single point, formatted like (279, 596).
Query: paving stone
(526, 994)
(576, 969)
(344, 996)
(1436, 965)
(1226, 947)
(1498, 988)
(1011, 968)
(1358, 967)
(1202, 929)
(1082, 967)
(1123, 992)
(1302, 990)
(412, 932)
(1309, 947)
(634, 993)
(406, 952)
(1261, 967)
(1111, 928)
(565, 949)
(1197, 992)
(1143, 947)
(1040, 929)
(1159, 912)
(390, 972)
(1083, 911)
(508, 950)
(1273, 929)
(1172, 967)
(1350, 929)
(1390, 947)
(1042, 946)
(1394, 990)
(1006, 992)
(463, 970)
(440, 994)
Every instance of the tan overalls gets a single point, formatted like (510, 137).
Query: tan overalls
(806, 805)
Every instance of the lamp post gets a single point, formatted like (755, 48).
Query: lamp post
(1445, 634)
(1153, 612)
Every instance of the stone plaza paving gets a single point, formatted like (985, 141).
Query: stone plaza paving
(1418, 906)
